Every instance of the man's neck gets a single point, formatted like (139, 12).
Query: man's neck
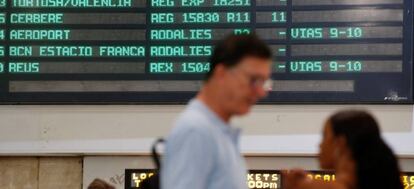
(210, 100)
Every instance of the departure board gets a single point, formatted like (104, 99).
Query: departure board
(156, 51)
(255, 178)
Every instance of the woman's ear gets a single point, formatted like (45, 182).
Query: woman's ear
(341, 146)
(341, 142)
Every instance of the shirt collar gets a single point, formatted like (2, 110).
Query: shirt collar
(233, 132)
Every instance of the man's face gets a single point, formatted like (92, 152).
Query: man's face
(243, 84)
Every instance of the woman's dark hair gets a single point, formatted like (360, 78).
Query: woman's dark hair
(376, 164)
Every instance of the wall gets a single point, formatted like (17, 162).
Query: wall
(41, 172)
(287, 135)
(113, 129)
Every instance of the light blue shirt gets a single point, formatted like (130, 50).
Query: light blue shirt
(202, 153)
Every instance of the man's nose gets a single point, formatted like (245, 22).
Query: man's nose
(261, 92)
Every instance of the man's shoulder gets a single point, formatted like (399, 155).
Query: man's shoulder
(191, 122)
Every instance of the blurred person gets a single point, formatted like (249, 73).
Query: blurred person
(352, 146)
(202, 150)
(100, 184)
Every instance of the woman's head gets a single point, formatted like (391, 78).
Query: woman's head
(357, 133)
(345, 130)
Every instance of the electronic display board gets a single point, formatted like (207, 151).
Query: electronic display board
(156, 51)
(255, 178)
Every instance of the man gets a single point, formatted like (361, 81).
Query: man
(202, 150)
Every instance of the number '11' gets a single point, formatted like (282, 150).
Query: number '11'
(279, 17)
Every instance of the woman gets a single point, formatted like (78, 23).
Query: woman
(353, 147)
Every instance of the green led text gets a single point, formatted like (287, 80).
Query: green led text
(24, 67)
(232, 3)
(36, 18)
(39, 34)
(191, 3)
(349, 66)
(201, 17)
(162, 67)
(162, 51)
(241, 31)
(2, 18)
(306, 33)
(161, 18)
(72, 3)
(195, 67)
(20, 51)
(122, 51)
(306, 66)
(279, 17)
(183, 67)
(180, 34)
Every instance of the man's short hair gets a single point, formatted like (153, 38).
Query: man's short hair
(234, 48)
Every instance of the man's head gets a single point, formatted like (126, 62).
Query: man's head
(240, 68)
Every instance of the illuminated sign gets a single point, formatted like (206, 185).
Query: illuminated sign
(157, 51)
(264, 179)
(255, 178)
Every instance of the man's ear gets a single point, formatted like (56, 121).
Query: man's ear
(219, 71)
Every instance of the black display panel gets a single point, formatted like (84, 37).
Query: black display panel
(156, 51)
(256, 178)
